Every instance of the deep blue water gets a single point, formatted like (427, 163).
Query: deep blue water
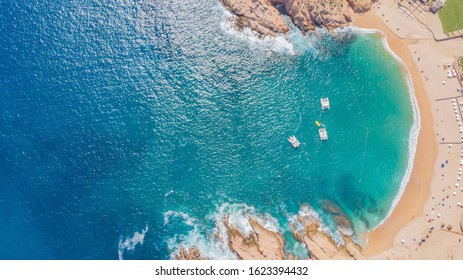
(129, 121)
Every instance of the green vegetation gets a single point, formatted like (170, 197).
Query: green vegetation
(451, 15)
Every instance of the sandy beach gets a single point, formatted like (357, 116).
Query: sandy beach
(418, 226)
(427, 222)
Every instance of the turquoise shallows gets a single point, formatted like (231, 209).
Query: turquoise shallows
(127, 128)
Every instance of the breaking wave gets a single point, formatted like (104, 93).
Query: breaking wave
(130, 243)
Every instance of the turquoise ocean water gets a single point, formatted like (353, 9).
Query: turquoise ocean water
(130, 127)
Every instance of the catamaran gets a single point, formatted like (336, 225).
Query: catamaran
(323, 134)
(294, 142)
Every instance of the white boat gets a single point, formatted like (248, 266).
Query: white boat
(294, 142)
(323, 134)
(325, 103)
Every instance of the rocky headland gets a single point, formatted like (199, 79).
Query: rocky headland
(265, 16)
(265, 244)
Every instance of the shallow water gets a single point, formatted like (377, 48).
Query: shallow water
(128, 128)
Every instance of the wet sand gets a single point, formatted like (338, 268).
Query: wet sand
(428, 198)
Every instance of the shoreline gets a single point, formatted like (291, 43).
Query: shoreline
(413, 198)
(433, 189)
(417, 225)
(381, 237)
(415, 129)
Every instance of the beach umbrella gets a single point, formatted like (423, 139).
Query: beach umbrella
(459, 178)
(454, 194)
(438, 215)
(443, 82)
(442, 225)
(449, 227)
(450, 145)
(462, 189)
(460, 169)
(457, 185)
(402, 241)
(459, 204)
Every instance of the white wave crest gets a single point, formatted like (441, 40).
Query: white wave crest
(129, 244)
(238, 215)
(213, 243)
(210, 246)
(415, 129)
(309, 213)
(279, 44)
(188, 220)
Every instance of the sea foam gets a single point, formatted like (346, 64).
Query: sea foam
(415, 129)
(129, 244)
(292, 43)
(213, 243)
(188, 220)
(237, 214)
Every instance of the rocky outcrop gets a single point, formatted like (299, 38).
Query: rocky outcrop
(261, 244)
(361, 6)
(340, 218)
(263, 17)
(259, 16)
(307, 14)
(192, 254)
(322, 246)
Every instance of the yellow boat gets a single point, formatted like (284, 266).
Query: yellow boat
(317, 123)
